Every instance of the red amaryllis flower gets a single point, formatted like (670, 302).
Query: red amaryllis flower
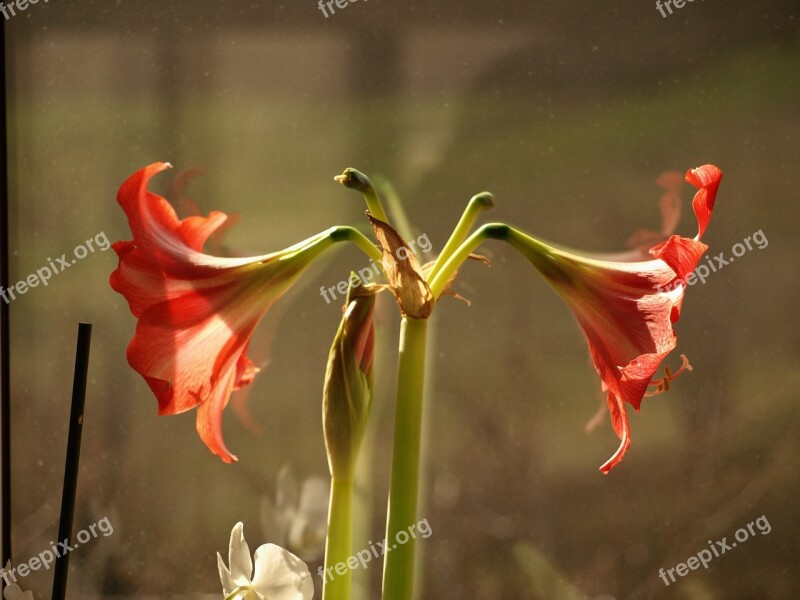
(196, 312)
(627, 309)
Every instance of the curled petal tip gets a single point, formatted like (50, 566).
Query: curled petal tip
(156, 167)
(707, 179)
(703, 175)
(612, 462)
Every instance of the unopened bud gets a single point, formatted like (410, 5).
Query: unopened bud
(347, 393)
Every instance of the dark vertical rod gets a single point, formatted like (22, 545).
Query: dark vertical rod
(5, 357)
(73, 457)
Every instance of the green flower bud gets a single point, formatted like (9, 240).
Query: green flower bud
(347, 393)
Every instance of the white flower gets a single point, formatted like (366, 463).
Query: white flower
(299, 517)
(279, 574)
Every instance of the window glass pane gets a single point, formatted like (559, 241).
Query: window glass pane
(568, 114)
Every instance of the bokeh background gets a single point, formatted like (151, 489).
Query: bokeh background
(567, 111)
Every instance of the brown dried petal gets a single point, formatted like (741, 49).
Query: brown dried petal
(403, 272)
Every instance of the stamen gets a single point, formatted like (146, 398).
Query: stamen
(662, 385)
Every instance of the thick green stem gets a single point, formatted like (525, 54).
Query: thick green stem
(398, 567)
(339, 544)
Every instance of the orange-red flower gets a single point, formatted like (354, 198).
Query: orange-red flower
(627, 309)
(196, 313)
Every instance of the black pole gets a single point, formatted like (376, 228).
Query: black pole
(73, 457)
(5, 357)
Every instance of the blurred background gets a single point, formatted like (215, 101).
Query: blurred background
(568, 112)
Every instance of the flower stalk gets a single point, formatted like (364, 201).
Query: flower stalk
(398, 566)
(346, 403)
(339, 544)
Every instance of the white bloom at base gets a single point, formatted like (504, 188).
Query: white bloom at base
(279, 574)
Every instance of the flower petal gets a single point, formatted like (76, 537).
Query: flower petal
(707, 178)
(209, 417)
(239, 559)
(183, 347)
(403, 272)
(681, 254)
(280, 575)
(156, 227)
(619, 421)
(626, 321)
(228, 584)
